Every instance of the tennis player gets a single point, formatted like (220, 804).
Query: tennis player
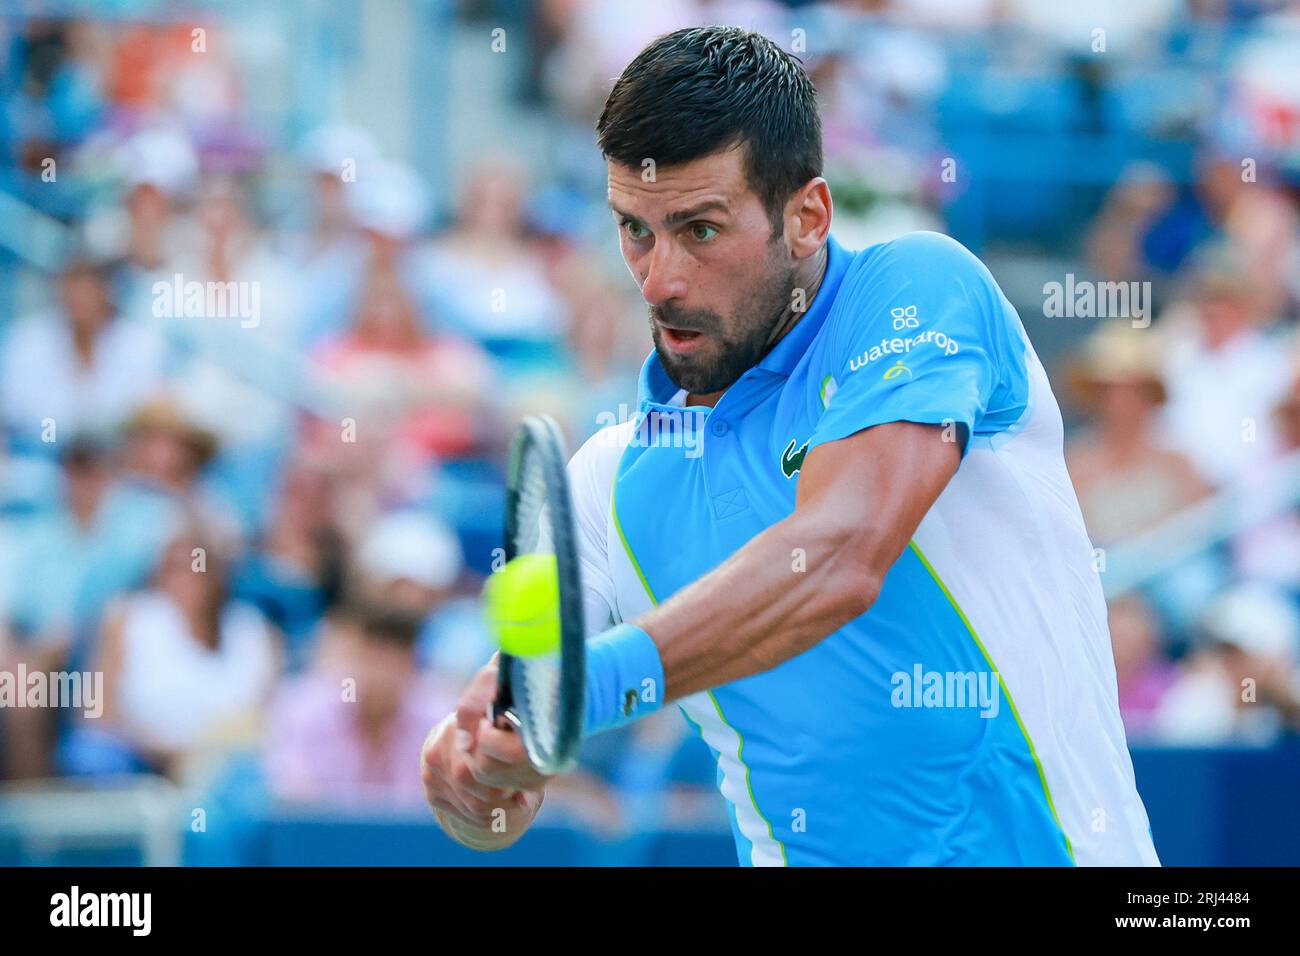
(839, 534)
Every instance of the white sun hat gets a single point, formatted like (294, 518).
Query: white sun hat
(414, 546)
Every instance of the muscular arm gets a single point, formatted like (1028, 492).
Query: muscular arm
(859, 501)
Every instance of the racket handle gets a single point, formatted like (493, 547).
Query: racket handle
(499, 712)
(503, 718)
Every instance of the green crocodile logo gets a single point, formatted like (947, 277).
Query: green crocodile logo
(791, 460)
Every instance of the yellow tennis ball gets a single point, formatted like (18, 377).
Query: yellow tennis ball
(522, 601)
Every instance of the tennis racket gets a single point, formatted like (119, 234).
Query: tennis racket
(544, 697)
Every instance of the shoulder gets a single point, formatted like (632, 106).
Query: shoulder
(594, 465)
(244, 622)
(921, 280)
(925, 256)
(927, 244)
(305, 700)
(130, 336)
(34, 334)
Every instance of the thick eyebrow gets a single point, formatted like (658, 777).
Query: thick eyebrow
(686, 215)
(683, 215)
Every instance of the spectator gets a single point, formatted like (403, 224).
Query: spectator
(412, 561)
(1268, 549)
(1117, 234)
(1225, 370)
(257, 319)
(607, 344)
(45, 563)
(1143, 673)
(427, 395)
(328, 250)
(166, 452)
(186, 670)
(55, 96)
(82, 368)
(142, 235)
(294, 574)
(484, 276)
(1125, 480)
(155, 489)
(1240, 685)
(51, 550)
(350, 741)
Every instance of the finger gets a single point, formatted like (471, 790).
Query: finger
(441, 800)
(431, 750)
(504, 745)
(488, 771)
(505, 760)
(485, 681)
(444, 806)
(507, 777)
(469, 713)
(467, 785)
(471, 806)
(474, 704)
(483, 812)
(456, 782)
(491, 773)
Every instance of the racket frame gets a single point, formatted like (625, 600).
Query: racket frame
(539, 434)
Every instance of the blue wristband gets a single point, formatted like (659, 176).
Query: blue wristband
(625, 678)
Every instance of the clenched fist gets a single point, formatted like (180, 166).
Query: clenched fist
(477, 777)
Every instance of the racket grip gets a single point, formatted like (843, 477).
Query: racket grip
(503, 718)
(499, 711)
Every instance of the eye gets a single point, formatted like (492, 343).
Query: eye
(634, 229)
(702, 231)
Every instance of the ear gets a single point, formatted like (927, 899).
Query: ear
(808, 218)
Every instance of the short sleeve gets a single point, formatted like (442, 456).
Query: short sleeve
(922, 333)
(590, 493)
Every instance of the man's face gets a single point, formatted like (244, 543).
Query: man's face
(85, 301)
(699, 244)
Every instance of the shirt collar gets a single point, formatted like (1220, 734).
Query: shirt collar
(656, 388)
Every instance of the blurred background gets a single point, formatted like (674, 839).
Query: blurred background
(401, 205)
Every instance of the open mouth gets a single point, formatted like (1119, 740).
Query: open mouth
(681, 339)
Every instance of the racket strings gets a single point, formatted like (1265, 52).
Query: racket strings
(539, 678)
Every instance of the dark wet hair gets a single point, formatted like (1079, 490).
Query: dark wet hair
(701, 90)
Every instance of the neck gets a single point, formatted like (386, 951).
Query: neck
(83, 342)
(808, 279)
(204, 623)
(1124, 438)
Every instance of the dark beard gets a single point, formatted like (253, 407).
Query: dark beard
(755, 321)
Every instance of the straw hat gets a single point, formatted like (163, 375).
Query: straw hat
(1118, 354)
(1218, 268)
(164, 415)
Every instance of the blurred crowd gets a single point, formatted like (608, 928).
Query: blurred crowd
(255, 410)
(255, 417)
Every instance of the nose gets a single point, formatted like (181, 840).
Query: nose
(662, 280)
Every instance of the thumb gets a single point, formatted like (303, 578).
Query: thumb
(474, 705)
(469, 712)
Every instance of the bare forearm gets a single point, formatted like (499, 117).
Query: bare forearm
(859, 501)
(773, 599)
